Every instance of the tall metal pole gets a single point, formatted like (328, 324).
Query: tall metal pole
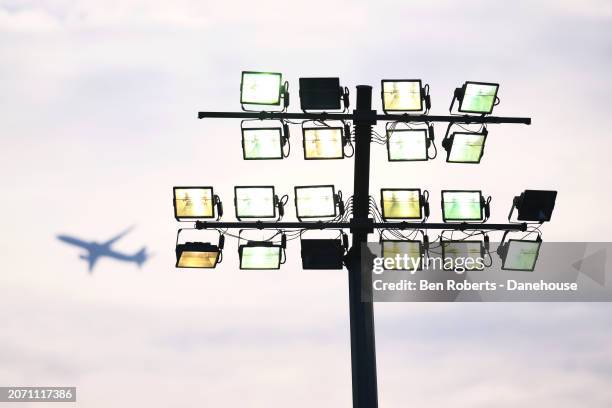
(363, 353)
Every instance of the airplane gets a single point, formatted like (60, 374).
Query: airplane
(97, 250)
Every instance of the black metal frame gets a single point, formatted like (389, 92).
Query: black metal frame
(368, 116)
(364, 225)
(363, 357)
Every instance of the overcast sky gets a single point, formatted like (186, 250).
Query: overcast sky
(99, 103)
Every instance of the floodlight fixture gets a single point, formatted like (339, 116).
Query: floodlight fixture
(256, 202)
(476, 97)
(404, 95)
(263, 88)
(199, 254)
(464, 205)
(323, 94)
(263, 143)
(196, 203)
(465, 147)
(534, 205)
(519, 254)
(409, 144)
(463, 255)
(261, 255)
(404, 203)
(323, 253)
(321, 143)
(407, 254)
(319, 201)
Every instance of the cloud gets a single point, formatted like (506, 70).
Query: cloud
(100, 101)
(29, 20)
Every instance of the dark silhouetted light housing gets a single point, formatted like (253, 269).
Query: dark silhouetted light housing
(320, 93)
(322, 253)
(535, 205)
(197, 255)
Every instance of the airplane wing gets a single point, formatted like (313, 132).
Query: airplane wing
(111, 241)
(75, 241)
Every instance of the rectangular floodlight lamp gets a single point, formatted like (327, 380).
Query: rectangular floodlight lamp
(260, 255)
(320, 93)
(462, 251)
(402, 95)
(193, 202)
(315, 201)
(466, 147)
(407, 145)
(401, 203)
(197, 255)
(406, 254)
(521, 255)
(462, 205)
(478, 97)
(262, 143)
(535, 205)
(260, 88)
(323, 143)
(254, 202)
(322, 253)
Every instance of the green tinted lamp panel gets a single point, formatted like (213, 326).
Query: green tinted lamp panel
(462, 205)
(260, 88)
(260, 257)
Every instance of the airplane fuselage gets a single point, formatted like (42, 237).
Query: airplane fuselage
(96, 250)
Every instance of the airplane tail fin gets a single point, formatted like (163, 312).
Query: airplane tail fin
(141, 256)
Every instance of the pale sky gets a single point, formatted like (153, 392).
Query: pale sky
(99, 102)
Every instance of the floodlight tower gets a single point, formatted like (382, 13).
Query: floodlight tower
(363, 358)
(363, 354)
